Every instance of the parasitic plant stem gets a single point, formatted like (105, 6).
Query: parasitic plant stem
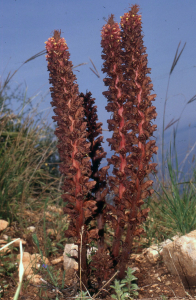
(129, 99)
(72, 144)
(96, 154)
(111, 43)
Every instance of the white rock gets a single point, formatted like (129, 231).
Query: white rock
(152, 256)
(3, 225)
(68, 262)
(72, 250)
(154, 252)
(5, 237)
(180, 258)
(31, 228)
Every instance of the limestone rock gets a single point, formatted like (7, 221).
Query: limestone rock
(152, 255)
(27, 268)
(154, 252)
(26, 261)
(37, 258)
(57, 260)
(26, 256)
(5, 237)
(3, 225)
(68, 262)
(32, 261)
(72, 250)
(180, 258)
(51, 232)
(34, 278)
(31, 228)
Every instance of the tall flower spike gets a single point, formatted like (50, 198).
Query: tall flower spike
(111, 44)
(138, 88)
(130, 101)
(72, 144)
(101, 264)
(96, 154)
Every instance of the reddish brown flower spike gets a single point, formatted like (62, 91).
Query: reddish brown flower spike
(129, 99)
(72, 144)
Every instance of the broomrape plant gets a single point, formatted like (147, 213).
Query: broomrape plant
(129, 99)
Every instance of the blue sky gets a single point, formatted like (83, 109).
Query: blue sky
(26, 25)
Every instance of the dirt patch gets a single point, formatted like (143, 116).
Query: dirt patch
(154, 281)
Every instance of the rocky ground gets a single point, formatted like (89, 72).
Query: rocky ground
(154, 280)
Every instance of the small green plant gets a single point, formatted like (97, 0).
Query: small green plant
(124, 289)
(131, 288)
(163, 297)
(118, 287)
(83, 295)
(48, 270)
(8, 267)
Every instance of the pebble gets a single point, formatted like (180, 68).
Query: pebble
(57, 260)
(3, 225)
(31, 228)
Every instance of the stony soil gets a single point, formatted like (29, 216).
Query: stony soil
(154, 281)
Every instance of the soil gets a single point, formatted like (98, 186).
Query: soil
(154, 281)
